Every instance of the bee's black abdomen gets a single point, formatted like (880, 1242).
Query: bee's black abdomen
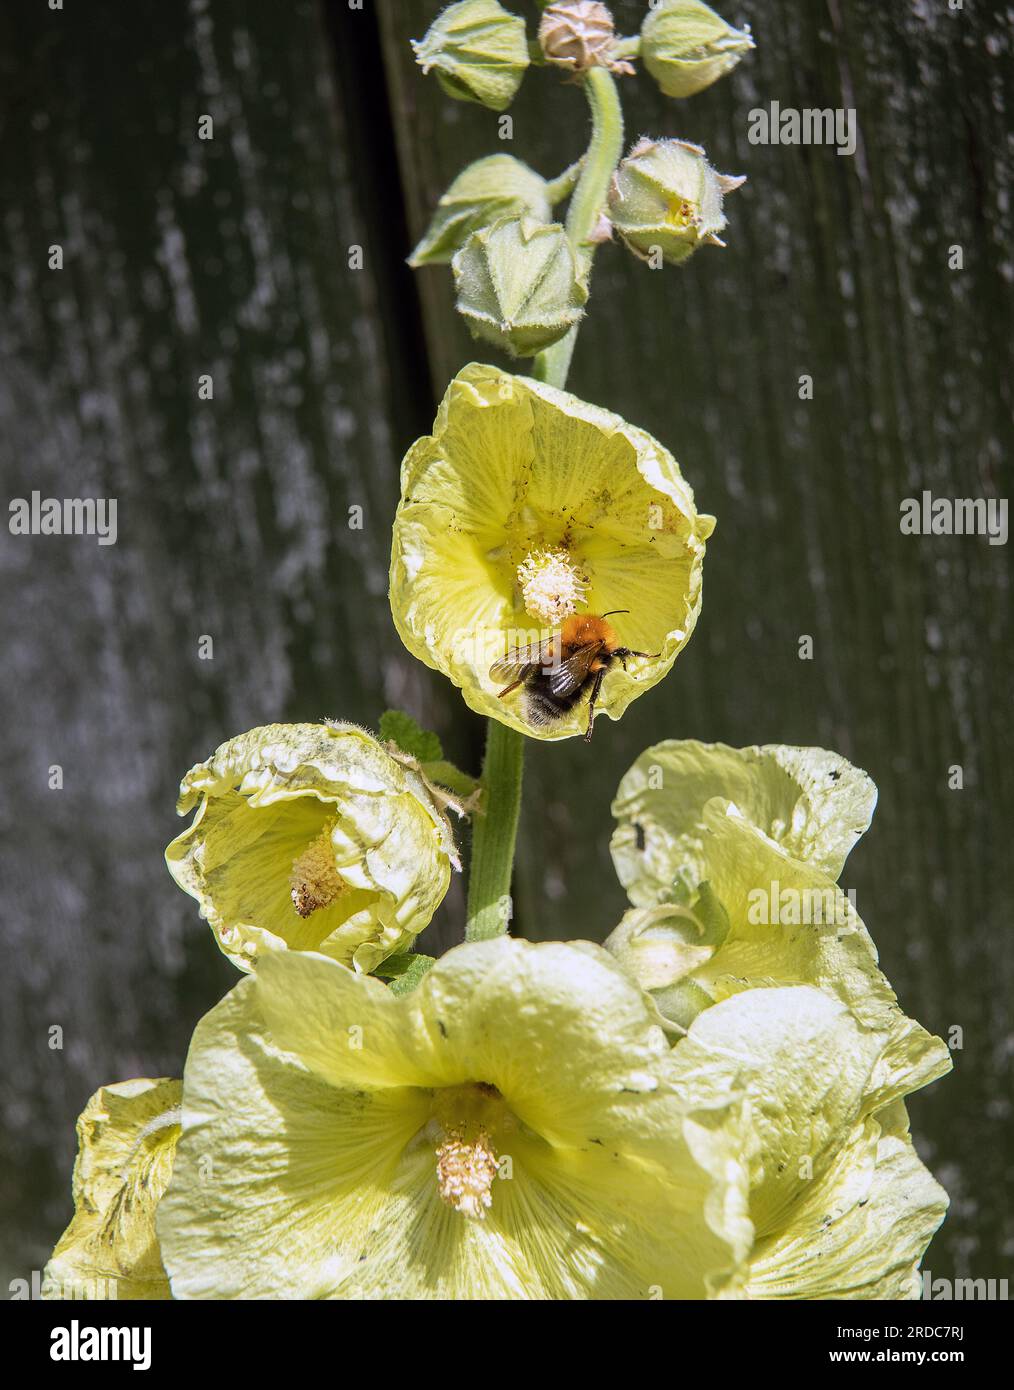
(542, 707)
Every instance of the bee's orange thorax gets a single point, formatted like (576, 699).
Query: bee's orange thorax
(582, 628)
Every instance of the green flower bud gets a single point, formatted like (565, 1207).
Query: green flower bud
(686, 46)
(487, 191)
(478, 50)
(518, 285)
(666, 198)
(579, 34)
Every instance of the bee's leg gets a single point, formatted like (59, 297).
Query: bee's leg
(624, 652)
(599, 676)
(508, 688)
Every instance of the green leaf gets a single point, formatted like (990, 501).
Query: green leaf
(404, 971)
(398, 727)
(445, 774)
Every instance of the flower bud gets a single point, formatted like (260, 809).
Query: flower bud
(518, 285)
(578, 35)
(486, 192)
(686, 46)
(478, 50)
(666, 198)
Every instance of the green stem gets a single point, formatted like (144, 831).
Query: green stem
(586, 205)
(494, 831)
(495, 827)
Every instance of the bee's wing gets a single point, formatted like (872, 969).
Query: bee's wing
(522, 661)
(571, 674)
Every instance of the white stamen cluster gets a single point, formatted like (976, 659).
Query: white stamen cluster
(465, 1173)
(550, 586)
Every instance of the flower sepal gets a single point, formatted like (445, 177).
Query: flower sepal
(490, 189)
(578, 35)
(661, 947)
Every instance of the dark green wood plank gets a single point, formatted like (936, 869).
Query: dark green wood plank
(182, 257)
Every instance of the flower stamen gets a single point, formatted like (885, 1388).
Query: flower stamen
(315, 881)
(551, 587)
(465, 1172)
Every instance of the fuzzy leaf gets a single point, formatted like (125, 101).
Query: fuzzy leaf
(398, 727)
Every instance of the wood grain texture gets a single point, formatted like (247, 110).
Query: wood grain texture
(182, 257)
(836, 268)
(230, 257)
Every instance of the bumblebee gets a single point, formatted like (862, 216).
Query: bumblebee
(556, 672)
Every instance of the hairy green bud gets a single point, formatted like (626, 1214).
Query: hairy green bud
(518, 285)
(686, 46)
(666, 200)
(478, 50)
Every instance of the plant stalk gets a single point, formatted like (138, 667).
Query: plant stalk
(494, 831)
(604, 151)
(495, 827)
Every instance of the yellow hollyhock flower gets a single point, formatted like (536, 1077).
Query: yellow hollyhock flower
(518, 1128)
(510, 1129)
(839, 1202)
(127, 1138)
(527, 505)
(733, 855)
(311, 837)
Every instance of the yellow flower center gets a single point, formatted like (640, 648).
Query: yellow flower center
(315, 881)
(682, 213)
(465, 1173)
(551, 586)
(467, 1119)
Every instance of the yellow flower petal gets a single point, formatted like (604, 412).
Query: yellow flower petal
(363, 1125)
(749, 838)
(836, 954)
(861, 1232)
(811, 802)
(841, 1205)
(126, 1143)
